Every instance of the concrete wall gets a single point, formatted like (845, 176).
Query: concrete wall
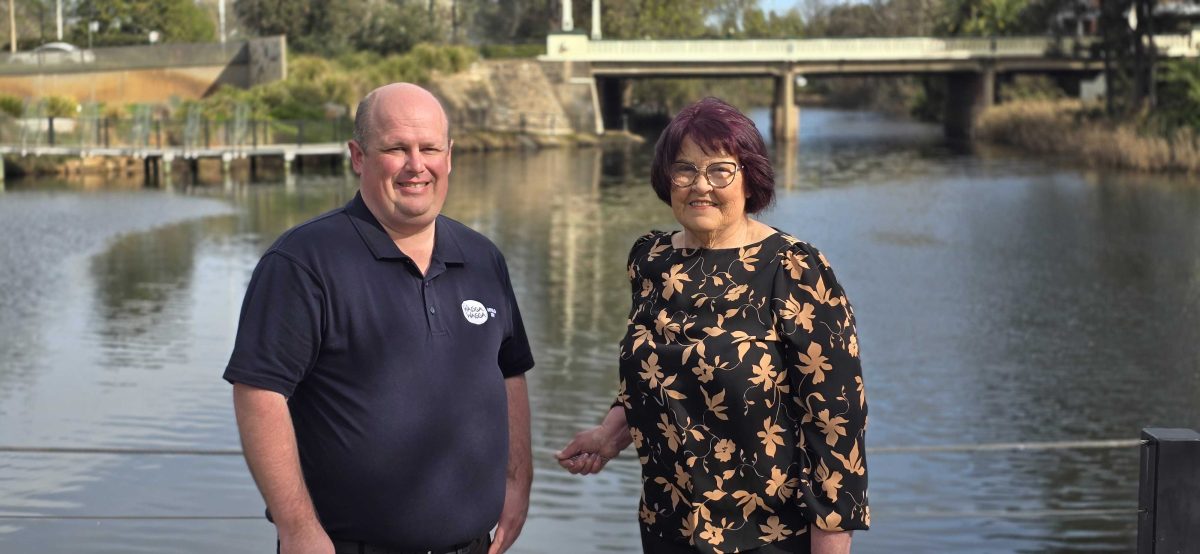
(135, 86)
(149, 74)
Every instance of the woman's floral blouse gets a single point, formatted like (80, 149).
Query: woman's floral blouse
(742, 386)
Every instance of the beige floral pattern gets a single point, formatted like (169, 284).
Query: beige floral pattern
(743, 389)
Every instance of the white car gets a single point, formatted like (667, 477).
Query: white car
(53, 53)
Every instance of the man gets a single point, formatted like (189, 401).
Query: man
(379, 349)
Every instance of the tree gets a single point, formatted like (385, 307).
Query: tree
(511, 21)
(131, 21)
(658, 19)
(337, 27)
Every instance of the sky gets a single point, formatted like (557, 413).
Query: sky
(779, 6)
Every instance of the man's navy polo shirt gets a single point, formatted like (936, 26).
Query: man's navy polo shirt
(395, 379)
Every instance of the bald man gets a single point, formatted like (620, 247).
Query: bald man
(378, 370)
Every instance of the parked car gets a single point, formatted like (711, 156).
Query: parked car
(53, 53)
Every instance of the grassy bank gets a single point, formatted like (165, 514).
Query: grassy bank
(1071, 129)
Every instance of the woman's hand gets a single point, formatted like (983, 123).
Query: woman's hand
(591, 449)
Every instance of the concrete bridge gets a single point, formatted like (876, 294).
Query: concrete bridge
(970, 65)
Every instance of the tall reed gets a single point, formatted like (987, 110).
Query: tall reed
(1071, 129)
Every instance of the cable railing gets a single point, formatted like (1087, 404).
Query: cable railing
(874, 451)
(192, 131)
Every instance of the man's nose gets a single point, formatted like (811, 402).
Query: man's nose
(415, 162)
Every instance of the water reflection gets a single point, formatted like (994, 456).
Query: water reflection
(999, 300)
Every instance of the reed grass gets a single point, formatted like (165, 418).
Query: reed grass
(1072, 129)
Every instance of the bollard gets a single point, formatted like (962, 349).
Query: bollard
(1169, 492)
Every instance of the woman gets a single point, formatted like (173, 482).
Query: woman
(740, 380)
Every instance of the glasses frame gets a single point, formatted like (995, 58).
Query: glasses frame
(736, 168)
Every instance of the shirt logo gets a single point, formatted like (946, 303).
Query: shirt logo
(474, 311)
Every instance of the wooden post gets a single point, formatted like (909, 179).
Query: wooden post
(1169, 492)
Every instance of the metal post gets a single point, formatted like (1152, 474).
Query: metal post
(50, 130)
(1169, 492)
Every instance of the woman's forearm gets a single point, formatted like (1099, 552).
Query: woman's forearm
(826, 542)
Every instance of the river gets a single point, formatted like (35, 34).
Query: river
(1000, 299)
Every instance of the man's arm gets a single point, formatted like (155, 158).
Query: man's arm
(269, 443)
(520, 467)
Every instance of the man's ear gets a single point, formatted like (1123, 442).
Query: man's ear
(449, 156)
(356, 157)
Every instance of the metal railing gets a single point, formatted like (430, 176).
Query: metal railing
(562, 47)
(144, 129)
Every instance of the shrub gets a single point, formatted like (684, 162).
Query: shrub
(12, 105)
(61, 106)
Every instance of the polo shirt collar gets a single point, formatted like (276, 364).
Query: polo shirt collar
(446, 248)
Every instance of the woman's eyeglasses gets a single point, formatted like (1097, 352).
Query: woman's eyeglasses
(719, 175)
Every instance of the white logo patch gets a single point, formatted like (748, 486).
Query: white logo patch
(474, 311)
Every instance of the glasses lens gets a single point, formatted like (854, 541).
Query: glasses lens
(683, 175)
(721, 174)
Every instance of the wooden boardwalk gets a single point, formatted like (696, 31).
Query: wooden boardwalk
(153, 157)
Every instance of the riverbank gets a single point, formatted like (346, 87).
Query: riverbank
(1073, 129)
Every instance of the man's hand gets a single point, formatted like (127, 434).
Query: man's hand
(512, 517)
(520, 467)
(269, 443)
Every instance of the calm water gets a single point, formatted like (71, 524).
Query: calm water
(999, 299)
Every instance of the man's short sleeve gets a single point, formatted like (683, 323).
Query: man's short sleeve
(279, 333)
(515, 356)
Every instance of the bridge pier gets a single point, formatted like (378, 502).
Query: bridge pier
(612, 93)
(967, 95)
(785, 115)
(150, 171)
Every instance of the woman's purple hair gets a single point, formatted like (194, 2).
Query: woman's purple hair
(715, 126)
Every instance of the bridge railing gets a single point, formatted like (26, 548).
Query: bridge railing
(579, 47)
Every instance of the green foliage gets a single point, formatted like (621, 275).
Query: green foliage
(391, 27)
(657, 19)
(492, 22)
(340, 27)
(847, 20)
(987, 18)
(318, 88)
(1030, 87)
(61, 106)
(124, 22)
(1179, 94)
(12, 105)
(510, 51)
